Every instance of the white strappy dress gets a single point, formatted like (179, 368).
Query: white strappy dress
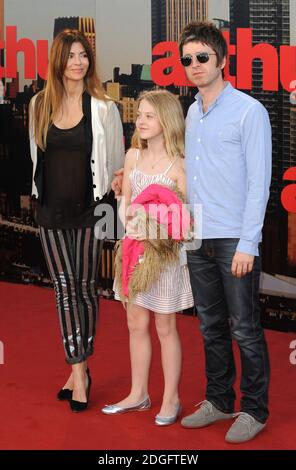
(172, 292)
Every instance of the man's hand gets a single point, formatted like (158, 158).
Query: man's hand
(116, 184)
(242, 264)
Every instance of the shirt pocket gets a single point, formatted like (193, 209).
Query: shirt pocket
(228, 137)
(226, 134)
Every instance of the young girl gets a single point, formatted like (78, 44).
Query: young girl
(156, 160)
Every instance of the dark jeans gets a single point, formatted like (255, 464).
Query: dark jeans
(229, 307)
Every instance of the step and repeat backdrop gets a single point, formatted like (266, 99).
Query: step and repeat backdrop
(135, 43)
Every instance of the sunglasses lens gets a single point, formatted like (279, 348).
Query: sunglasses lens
(186, 61)
(203, 57)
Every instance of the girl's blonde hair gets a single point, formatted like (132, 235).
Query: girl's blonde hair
(170, 115)
(49, 101)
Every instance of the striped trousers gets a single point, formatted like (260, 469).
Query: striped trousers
(73, 258)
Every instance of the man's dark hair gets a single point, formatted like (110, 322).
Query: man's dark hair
(207, 33)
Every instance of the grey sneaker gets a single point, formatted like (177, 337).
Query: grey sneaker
(244, 428)
(207, 414)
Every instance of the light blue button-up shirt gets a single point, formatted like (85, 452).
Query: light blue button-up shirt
(228, 166)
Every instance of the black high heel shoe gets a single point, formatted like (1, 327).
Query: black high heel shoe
(77, 406)
(65, 393)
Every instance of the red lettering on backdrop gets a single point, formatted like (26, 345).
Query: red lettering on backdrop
(244, 50)
(246, 53)
(35, 61)
(288, 66)
(288, 196)
(13, 46)
(177, 75)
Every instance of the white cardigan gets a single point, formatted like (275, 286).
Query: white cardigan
(107, 149)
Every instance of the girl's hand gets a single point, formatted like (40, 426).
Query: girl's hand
(135, 229)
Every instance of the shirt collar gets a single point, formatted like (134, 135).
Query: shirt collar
(225, 92)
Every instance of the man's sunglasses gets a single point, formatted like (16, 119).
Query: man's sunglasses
(201, 57)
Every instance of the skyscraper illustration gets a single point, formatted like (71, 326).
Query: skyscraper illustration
(169, 17)
(84, 24)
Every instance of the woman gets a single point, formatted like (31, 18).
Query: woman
(76, 144)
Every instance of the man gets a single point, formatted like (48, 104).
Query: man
(228, 166)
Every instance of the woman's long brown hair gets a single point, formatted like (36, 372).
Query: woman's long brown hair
(49, 101)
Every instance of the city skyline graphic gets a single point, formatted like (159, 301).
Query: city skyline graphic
(124, 65)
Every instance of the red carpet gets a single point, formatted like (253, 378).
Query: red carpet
(34, 369)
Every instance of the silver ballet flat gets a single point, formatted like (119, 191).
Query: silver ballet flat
(167, 420)
(116, 410)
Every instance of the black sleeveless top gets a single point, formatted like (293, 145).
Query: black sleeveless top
(67, 196)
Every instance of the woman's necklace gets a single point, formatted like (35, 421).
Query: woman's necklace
(153, 165)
